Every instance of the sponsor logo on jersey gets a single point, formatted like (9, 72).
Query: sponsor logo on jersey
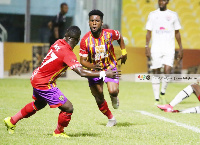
(162, 30)
(107, 41)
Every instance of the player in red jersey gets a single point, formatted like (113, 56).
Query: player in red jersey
(97, 53)
(43, 80)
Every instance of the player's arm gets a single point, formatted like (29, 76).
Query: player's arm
(121, 43)
(88, 65)
(178, 38)
(56, 32)
(110, 73)
(147, 48)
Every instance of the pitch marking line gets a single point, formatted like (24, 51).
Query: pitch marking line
(195, 129)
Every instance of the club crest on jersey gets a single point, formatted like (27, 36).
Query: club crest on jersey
(168, 18)
(107, 41)
(61, 98)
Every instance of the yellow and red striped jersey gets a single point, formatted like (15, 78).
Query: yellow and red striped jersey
(100, 49)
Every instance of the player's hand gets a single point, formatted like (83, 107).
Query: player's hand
(147, 52)
(110, 73)
(180, 54)
(97, 66)
(123, 58)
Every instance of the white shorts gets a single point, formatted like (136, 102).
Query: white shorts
(158, 61)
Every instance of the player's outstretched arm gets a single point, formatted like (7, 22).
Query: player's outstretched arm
(88, 65)
(110, 73)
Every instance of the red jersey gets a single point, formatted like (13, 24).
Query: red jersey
(58, 59)
(100, 49)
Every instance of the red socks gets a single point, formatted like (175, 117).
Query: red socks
(63, 121)
(25, 112)
(105, 110)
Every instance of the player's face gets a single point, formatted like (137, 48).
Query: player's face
(95, 23)
(64, 9)
(162, 4)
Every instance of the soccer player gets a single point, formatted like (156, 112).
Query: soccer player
(163, 24)
(185, 93)
(97, 53)
(43, 80)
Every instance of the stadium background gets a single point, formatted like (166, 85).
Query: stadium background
(24, 31)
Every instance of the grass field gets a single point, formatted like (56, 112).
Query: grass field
(88, 124)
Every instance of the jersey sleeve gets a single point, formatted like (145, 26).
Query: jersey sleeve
(149, 24)
(116, 35)
(83, 49)
(177, 24)
(71, 60)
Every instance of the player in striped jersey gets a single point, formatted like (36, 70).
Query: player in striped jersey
(43, 80)
(97, 53)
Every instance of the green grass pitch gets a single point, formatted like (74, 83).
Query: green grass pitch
(88, 124)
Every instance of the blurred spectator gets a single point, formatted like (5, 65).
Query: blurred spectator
(57, 24)
(105, 26)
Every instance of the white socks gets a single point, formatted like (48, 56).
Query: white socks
(156, 86)
(165, 82)
(191, 110)
(185, 93)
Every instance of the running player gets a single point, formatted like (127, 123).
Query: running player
(185, 93)
(97, 53)
(43, 80)
(164, 25)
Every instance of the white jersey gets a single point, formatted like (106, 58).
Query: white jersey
(163, 25)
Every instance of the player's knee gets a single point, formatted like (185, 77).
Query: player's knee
(68, 109)
(114, 92)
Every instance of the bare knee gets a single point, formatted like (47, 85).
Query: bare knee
(114, 92)
(67, 107)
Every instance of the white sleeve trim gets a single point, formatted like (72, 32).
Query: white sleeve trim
(83, 55)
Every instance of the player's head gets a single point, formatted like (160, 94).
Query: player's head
(95, 20)
(72, 35)
(163, 4)
(63, 8)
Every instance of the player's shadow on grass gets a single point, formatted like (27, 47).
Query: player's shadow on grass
(190, 102)
(122, 124)
(82, 134)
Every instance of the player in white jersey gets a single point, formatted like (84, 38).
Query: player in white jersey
(163, 25)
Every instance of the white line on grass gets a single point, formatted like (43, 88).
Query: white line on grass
(195, 129)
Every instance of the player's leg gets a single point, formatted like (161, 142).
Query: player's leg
(156, 85)
(113, 89)
(196, 109)
(156, 65)
(165, 81)
(25, 112)
(185, 93)
(63, 119)
(97, 92)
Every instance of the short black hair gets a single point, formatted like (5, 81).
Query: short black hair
(63, 4)
(96, 12)
(72, 31)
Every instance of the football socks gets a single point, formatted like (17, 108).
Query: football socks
(185, 93)
(105, 110)
(25, 112)
(156, 86)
